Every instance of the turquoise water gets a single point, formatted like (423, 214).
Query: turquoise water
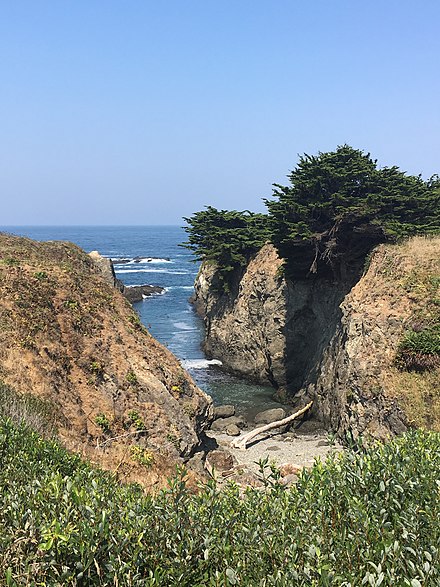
(157, 259)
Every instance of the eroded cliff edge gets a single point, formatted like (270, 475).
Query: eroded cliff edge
(69, 337)
(333, 341)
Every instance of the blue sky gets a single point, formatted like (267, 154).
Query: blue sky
(142, 112)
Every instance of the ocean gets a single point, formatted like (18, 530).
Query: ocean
(157, 259)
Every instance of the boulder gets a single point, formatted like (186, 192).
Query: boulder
(221, 424)
(197, 463)
(269, 416)
(289, 480)
(232, 430)
(289, 469)
(225, 411)
(219, 461)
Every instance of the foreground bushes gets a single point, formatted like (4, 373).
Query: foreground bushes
(366, 518)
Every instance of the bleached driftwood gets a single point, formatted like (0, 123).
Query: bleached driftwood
(242, 441)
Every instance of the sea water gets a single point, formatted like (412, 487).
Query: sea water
(152, 256)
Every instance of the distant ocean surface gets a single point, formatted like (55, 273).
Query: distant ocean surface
(169, 317)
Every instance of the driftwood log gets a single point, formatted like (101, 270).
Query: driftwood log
(242, 441)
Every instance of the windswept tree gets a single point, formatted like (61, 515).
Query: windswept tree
(227, 238)
(339, 205)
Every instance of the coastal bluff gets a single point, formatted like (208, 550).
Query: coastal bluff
(334, 341)
(69, 337)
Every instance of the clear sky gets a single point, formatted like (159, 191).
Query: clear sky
(141, 112)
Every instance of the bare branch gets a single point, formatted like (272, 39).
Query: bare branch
(242, 441)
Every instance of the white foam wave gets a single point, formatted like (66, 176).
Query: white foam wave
(156, 293)
(200, 363)
(186, 287)
(150, 271)
(183, 326)
(140, 261)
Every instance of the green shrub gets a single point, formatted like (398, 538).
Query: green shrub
(136, 420)
(97, 369)
(103, 422)
(365, 518)
(420, 350)
(131, 378)
(142, 456)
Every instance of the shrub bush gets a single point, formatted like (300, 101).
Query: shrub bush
(364, 518)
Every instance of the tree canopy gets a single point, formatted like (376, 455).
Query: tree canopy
(340, 204)
(336, 208)
(228, 238)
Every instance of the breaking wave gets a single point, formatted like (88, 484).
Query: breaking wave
(200, 363)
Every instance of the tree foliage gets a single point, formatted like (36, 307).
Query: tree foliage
(339, 205)
(228, 238)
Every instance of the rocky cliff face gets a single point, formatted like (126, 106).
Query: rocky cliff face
(335, 342)
(72, 339)
(269, 329)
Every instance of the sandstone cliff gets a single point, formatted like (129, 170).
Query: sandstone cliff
(335, 342)
(72, 339)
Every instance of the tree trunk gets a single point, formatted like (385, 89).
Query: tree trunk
(242, 441)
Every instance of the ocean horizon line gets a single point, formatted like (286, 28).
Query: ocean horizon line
(88, 225)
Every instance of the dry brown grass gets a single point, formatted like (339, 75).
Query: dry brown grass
(418, 394)
(70, 338)
(410, 275)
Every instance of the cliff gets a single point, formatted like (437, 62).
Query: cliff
(70, 338)
(335, 342)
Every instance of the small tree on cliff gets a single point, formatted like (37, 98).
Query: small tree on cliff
(228, 238)
(339, 205)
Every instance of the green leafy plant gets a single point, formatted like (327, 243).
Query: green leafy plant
(97, 369)
(142, 456)
(131, 378)
(368, 517)
(103, 422)
(71, 305)
(136, 420)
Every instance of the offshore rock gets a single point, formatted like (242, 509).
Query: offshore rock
(135, 293)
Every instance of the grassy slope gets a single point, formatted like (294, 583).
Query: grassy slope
(410, 277)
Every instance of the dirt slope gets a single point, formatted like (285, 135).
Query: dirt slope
(69, 337)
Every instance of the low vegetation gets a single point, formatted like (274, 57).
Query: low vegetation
(369, 517)
(24, 408)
